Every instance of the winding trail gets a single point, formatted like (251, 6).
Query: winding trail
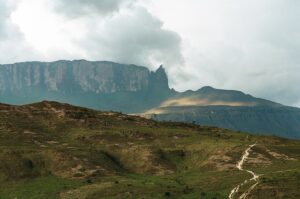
(255, 177)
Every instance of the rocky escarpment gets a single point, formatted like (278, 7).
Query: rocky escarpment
(77, 76)
(101, 85)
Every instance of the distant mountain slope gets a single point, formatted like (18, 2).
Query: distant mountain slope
(134, 89)
(51, 150)
(208, 96)
(229, 109)
(281, 121)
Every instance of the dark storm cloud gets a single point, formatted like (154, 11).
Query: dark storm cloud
(137, 37)
(130, 35)
(133, 36)
(75, 8)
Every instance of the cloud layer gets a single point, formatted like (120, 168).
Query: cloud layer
(249, 45)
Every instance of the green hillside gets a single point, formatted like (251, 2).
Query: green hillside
(51, 150)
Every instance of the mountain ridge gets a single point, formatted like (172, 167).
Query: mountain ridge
(133, 89)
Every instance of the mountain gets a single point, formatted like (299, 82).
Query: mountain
(209, 96)
(51, 150)
(134, 89)
(229, 109)
(101, 85)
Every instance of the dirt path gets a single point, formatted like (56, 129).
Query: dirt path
(254, 178)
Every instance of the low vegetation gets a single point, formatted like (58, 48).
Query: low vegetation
(52, 150)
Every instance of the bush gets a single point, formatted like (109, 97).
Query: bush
(167, 193)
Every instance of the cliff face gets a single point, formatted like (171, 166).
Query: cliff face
(82, 76)
(104, 85)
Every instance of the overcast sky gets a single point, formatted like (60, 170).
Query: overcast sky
(247, 45)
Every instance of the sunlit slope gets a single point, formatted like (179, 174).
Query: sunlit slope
(229, 109)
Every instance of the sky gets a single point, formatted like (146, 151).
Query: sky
(247, 45)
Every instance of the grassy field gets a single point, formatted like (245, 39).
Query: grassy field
(52, 150)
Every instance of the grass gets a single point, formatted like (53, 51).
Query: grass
(47, 187)
(49, 150)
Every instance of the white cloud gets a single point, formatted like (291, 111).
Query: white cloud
(13, 48)
(249, 45)
(48, 33)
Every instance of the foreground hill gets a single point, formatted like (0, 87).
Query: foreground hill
(134, 89)
(52, 150)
